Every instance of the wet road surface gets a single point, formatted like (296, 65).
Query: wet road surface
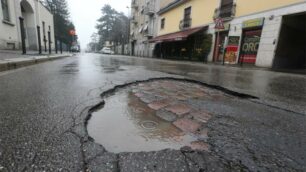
(44, 107)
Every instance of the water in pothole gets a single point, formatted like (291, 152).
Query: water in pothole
(126, 124)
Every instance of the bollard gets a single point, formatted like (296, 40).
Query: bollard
(49, 40)
(39, 40)
(61, 47)
(23, 35)
(56, 45)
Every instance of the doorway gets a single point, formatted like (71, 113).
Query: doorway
(220, 46)
(291, 48)
(133, 48)
(27, 12)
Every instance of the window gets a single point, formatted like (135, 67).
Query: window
(5, 10)
(226, 8)
(162, 23)
(187, 13)
(186, 23)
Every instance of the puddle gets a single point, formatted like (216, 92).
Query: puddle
(153, 116)
(125, 124)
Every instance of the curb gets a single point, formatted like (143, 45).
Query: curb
(11, 64)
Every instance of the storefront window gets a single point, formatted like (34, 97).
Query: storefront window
(5, 10)
(250, 44)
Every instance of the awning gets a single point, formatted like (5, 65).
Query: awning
(177, 36)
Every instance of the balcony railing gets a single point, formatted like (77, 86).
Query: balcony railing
(133, 20)
(134, 4)
(227, 11)
(185, 23)
(149, 10)
(148, 34)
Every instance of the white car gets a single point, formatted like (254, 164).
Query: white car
(107, 50)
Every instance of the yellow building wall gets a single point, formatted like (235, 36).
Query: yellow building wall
(164, 3)
(202, 12)
(245, 7)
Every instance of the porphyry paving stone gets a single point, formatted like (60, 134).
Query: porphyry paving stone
(187, 125)
(202, 116)
(159, 104)
(149, 98)
(165, 115)
(179, 109)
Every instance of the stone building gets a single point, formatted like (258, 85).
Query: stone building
(36, 19)
(144, 21)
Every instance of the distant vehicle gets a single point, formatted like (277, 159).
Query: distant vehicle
(107, 50)
(75, 49)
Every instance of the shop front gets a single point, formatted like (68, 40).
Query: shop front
(183, 45)
(251, 35)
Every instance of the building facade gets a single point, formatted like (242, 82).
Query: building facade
(144, 20)
(266, 34)
(29, 16)
(183, 30)
(262, 33)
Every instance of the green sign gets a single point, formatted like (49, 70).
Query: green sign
(253, 23)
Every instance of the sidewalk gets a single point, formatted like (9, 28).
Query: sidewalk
(14, 59)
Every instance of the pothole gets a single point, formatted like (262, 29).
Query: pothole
(154, 115)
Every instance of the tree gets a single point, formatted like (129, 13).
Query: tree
(112, 26)
(62, 22)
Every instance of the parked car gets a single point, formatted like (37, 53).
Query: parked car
(75, 49)
(107, 50)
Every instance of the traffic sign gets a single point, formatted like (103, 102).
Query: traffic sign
(72, 32)
(219, 23)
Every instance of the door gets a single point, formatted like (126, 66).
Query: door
(220, 46)
(291, 48)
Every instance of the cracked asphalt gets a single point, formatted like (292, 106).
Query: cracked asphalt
(44, 108)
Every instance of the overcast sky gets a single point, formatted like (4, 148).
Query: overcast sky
(84, 14)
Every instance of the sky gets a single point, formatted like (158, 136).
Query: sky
(84, 14)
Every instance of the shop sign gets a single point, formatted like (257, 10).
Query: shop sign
(253, 23)
(232, 49)
(250, 46)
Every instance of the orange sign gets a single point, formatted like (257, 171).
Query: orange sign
(72, 32)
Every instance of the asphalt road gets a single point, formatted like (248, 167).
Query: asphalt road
(43, 109)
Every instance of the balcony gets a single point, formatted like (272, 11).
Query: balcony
(133, 20)
(149, 10)
(226, 12)
(134, 5)
(185, 23)
(148, 31)
(148, 34)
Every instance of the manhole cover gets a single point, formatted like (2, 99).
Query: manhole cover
(149, 125)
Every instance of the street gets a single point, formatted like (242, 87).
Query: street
(44, 111)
